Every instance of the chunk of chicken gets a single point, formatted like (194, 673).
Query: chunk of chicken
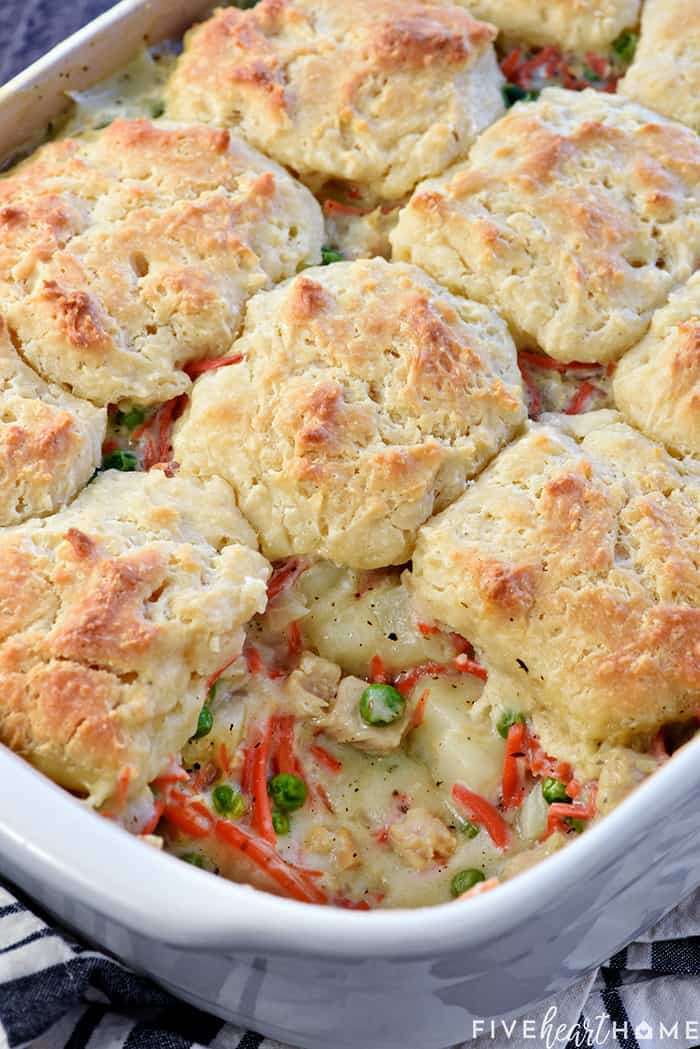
(421, 839)
(344, 723)
(338, 844)
(312, 685)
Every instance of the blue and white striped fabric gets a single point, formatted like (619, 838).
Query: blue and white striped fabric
(58, 994)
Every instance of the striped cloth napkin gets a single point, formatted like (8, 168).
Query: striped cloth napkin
(58, 994)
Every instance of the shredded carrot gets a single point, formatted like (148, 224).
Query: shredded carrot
(211, 364)
(598, 64)
(534, 400)
(407, 679)
(419, 713)
(334, 207)
(484, 813)
(465, 665)
(295, 642)
(261, 811)
(428, 629)
(254, 660)
(461, 645)
(181, 812)
(247, 771)
(282, 727)
(349, 905)
(381, 835)
(513, 782)
(213, 678)
(156, 432)
(296, 883)
(377, 671)
(176, 775)
(511, 62)
(540, 360)
(323, 797)
(224, 762)
(479, 888)
(325, 758)
(560, 811)
(125, 777)
(573, 788)
(284, 574)
(541, 764)
(579, 401)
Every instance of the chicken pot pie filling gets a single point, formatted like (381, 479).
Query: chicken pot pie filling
(393, 727)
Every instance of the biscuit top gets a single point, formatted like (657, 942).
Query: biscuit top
(574, 217)
(128, 253)
(577, 25)
(365, 398)
(323, 86)
(50, 442)
(112, 615)
(665, 74)
(657, 383)
(573, 564)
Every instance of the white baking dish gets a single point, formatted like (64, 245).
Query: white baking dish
(319, 977)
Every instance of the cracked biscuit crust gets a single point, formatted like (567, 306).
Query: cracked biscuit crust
(576, 25)
(366, 396)
(572, 563)
(574, 217)
(324, 87)
(50, 442)
(128, 253)
(112, 615)
(665, 74)
(657, 383)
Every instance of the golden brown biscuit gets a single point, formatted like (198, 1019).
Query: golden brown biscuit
(366, 397)
(657, 383)
(575, 216)
(50, 442)
(112, 615)
(573, 565)
(576, 25)
(127, 254)
(665, 74)
(377, 92)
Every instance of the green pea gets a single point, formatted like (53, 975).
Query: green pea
(577, 825)
(513, 93)
(554, 790)
(381, 705)
(205, 723)
(287, 791)
(280, 821)
(625, 46)
(131, 418)
(329, 255)
(227, 801)
(590, 75)
(465, 880)
(195, 858)
(507, 720)
(120, 460)
(468, 829)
